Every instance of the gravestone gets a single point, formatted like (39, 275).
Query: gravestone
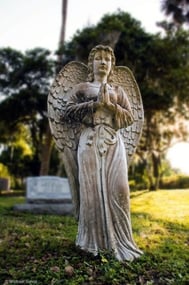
(47, 194)
(4, 184)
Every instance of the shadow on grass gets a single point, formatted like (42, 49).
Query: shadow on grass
(40, 248)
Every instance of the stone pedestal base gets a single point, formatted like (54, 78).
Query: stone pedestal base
(47, 195)
(45, 208)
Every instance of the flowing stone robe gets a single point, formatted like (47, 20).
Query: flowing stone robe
(104, 216)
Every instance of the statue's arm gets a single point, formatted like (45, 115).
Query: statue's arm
(78, 106)
(123, 113)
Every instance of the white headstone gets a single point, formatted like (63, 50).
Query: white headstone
(47, 188)
(47, 194)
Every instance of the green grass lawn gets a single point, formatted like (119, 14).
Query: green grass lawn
(39, 249)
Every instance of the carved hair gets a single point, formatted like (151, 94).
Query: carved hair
(91, 59)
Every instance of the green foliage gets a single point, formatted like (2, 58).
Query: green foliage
(4, 171)
(175, 181)
(119, 30)
(160, 65)
(41, 248)
(17, 155)
(11, 62)
(178, 10)
(24, 86)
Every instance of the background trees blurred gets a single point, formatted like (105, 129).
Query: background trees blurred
(159, 63)
(177, 9)
(160, 66)
(24, 84)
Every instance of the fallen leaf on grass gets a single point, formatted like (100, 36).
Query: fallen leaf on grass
(69, 270)
(55, 269)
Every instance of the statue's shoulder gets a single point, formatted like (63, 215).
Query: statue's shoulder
(82, 86)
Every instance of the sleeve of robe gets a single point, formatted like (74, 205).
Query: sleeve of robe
(78, 108)
(123, 113)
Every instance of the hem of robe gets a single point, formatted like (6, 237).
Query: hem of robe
(130, 256)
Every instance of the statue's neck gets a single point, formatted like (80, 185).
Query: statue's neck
(99, 80)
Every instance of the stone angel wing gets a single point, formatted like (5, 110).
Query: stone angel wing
(65, 134)
(123, 77)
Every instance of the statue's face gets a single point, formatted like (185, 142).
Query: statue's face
(102, 62)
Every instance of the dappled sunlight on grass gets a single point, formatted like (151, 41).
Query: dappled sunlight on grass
(41, 247)
(160, 222)
(167, 205)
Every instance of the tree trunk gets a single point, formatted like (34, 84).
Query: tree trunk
(63, 25)
(47, 147)
(46, 152)
(156, 163)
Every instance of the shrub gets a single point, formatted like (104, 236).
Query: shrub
(176, 181)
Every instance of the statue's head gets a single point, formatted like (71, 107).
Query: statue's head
(91, 60)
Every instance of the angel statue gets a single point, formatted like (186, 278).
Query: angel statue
(96, 117)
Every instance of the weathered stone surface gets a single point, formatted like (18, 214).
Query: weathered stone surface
(96, 119)
(47, 195)
(46, 208)
(4, 184)
(47, 188)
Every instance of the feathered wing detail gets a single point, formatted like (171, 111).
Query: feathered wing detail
(66, 135)
(123, 77)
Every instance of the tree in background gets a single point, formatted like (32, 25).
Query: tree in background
(160, 66)
(59, 65)
(26, 79)
(24, 85)
(177, 9)
(17, 155)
